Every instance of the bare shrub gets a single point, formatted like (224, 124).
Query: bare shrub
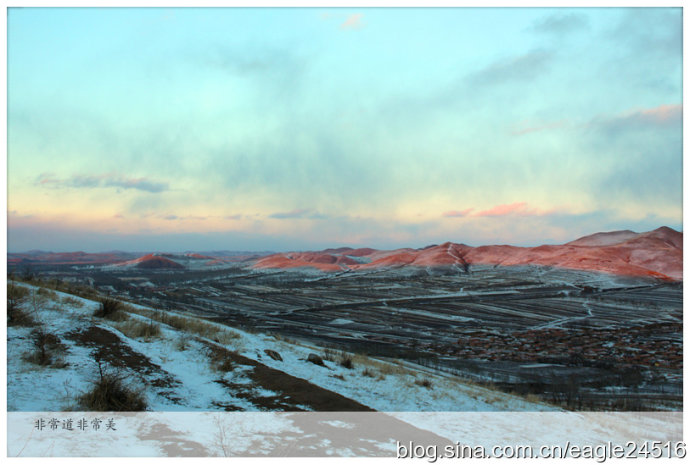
(109, 393)
(345, 361)
(15, 295)
(21, 317)
(47, 349)
(16, 316)
(36, 301)
(111, 309)
(219, 361)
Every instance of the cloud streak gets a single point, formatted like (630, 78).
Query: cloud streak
(507, 209)
(561, 24)
(521, 68)
(512, 209)
(103, 181)
(298, 213)
(457, 213)
(353, 21)
(660, 117)
(662, 114)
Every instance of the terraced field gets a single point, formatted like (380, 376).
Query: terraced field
(576, 338)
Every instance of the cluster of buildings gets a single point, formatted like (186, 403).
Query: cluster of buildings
(658, 345)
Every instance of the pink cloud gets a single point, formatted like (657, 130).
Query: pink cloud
(353, 21)
(457, 213)
(663, 113)
(517, 209)
(657, 117)
(501, 210)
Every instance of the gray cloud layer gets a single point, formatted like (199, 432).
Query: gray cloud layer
(561, 24)
(521, 68)
(103, 181)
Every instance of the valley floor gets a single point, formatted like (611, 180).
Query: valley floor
(212, 390)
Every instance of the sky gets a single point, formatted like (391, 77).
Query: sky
(164, 129)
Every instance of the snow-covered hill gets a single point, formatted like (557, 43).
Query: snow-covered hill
(204, 386)
(208, 366)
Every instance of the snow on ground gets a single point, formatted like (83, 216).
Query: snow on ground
(191, 382)
(186, 395)
(389, 387)
(36, 388)
(33, 388)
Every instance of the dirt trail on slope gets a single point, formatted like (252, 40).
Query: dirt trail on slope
(111, 349)
(293, 394)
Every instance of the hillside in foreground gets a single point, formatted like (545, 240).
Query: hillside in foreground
(179, 362)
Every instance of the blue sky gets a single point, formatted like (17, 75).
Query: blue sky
(301, 128)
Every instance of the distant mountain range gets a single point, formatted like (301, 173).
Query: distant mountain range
(657, 253)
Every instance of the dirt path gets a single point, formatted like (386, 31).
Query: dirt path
(109, 348)
(293, 394)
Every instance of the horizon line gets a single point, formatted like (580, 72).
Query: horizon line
(334, 247)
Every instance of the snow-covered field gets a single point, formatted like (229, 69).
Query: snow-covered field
(204, 389)
(180, 376)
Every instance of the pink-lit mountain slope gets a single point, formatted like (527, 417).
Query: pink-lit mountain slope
(657, 253)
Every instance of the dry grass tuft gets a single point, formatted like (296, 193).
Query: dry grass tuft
(345, 361)
(136, 329)
(111, 394)
(383, 367)
(191, 325)
(329, 355)
(47, 293)
(424, 382)
(533, 398)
